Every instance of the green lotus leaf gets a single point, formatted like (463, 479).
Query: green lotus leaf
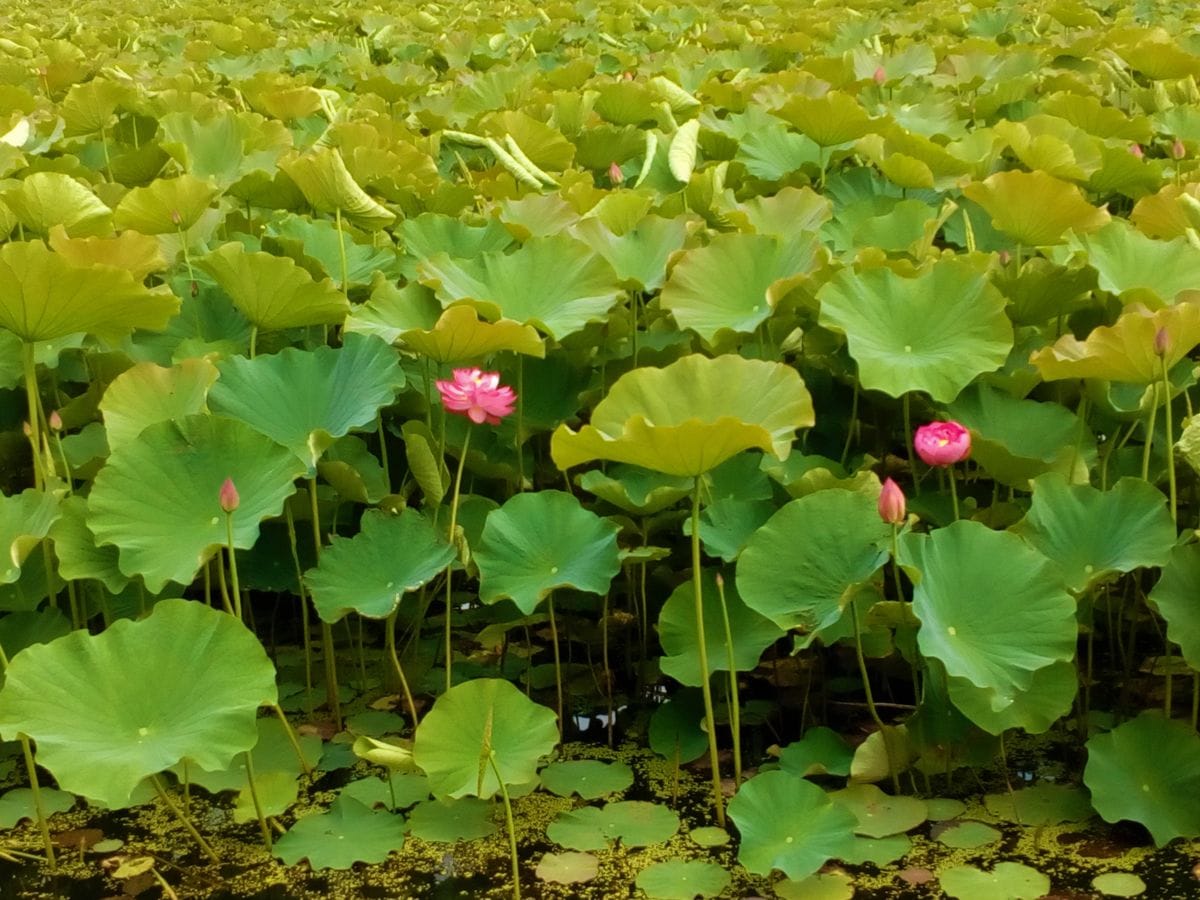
(407, 788)
(479, 733)
(994, 632)
(675, 731)
(43, 296)
(221, 144)
(829, 120)
(814, 831)
(635, 823)
(430, 234)
(451, 821)
(567, 868)
(634, 489)
(539, 542)
(157, 497)
(822, 751)
(1175, 598)
(935, 333)
(166, 206)
(1147, 770)
(1034, 208)
(638, 255)
(370, 572)
(680, 879)
(1041, 804)
(348, 833)
(833, 542)
(19, 804)
(19, 630)
(1048, 698)
(1119, 884)
(272, 753)
(146, 393)
(1007, 881)
(774, 152)
(45, 199)
(968, 834)
(272, 291)
(328, 185)
(1089, 534)
(753, 633)
(1041, 291)
(589, 778)
(554, 283)
(834, 885)
(139, 254)
(459, 335)
(317, 245)
(306, 399)
(79, 555)
(392, 310)
(108, 710)
(1139, 268)
(691, 416)
(1124, 351)
(880, 815)
(735, 282)
(25, 519)
(727, 524)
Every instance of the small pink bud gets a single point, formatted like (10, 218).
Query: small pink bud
(1136, 150)
(25, 428)
(55, 420)
(891, 503)
(1178, 151)
(176, 218)
(615, 175)
(627, 76)
(880, 75)
(229, 496)
(1162, 342)
(1005, 256)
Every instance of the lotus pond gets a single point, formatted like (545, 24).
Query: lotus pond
(618, 449)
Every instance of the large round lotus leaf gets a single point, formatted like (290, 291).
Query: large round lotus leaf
(933, 333)
(1147, 770)
(146, 393)
(222, 144)
(272, 291)
(679, 879)
(1008, 881)
(635, 823)
(995, 632)
(25, 519)
(318, 246)
(1119, 884)
(636, 490)
(370, 572)
(538, 542)
(752, 632)
(45, 199)
(1089, 534)
(78, 554)
(476, 724)
(691, 416)
(1175, 598)
(166, 205)
(734, 282)
(639, 255)
(833, 542)
(1137, 267)
(554, 283)
(814, 830)
(348, 833)
(589, 778)
(157, 498)
(42, 297)
(830, 120)
(835, 885)
(1124, 351)
(450, 821)
(305, 399)
(996, 710)
(431, 233)
(326, 183)
(108, 710)
(1035, 209)
(880, 815)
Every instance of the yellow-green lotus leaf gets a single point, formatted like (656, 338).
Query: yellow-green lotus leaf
(45, 199)
(1034, 208)
(830, 120)
(147, 393)
(137, 253)
(166, 206)
(691, 416)
(328, 185)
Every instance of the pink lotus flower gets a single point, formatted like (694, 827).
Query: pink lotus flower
(880, 75)
(892, 507)
(477, 395)
(942, 443)
(228, 496)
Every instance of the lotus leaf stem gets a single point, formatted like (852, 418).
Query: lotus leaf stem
(1172, 491)
(558, 682)
(35, 405)
(893, 769)
(953, 491)
(735, 710)
(342, 252)
(331, 682)
(462, 459)
(221, 583)
(383, 452)
(263, 828)
(389, 639)
(233, 570)
(512, 828)
(908, 443)
(304, 623)
(1151, 420)
(1007, 781)
(519, 439)
(702, 650)
(174, 809)
(292, 739)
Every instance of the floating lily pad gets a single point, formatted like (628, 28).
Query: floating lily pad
(1041, 804)
(449, 821)
(635, 823)
(880, 815)
(709, 836)
(1119, 884)
(680, 879)
(589, 778)
(348, 833)
(826, 886)
(968, 835)
(568, 868)
(1008, 881)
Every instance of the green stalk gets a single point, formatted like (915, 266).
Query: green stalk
(735, 708)
(953, 491)
(462, 459)
(331, 682)
(342, 253)
(34, 787)
(383, 451)
(263, 828)
(291, 527)
(292, 739)
(1149, 442)
(1166, 379)
(512, 829)
(389, 639)
(34, 404)
(557, 664)
(221, 583)
(253, 339)
(702, 648)
(178, 813)
(908, 442)
(233, 572)
(862, 668)
(520, 434)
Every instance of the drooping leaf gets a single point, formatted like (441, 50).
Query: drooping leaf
(78, 553)
(146, 394)
(1175, 598)
(996, 710)
(42, 200)
(25, 519)
(328, 185)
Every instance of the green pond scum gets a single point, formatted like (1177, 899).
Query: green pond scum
(599, 450)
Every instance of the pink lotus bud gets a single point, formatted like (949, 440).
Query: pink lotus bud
(1162, 342)
(25, 428)
(627, 76)
(1178, 151)
(477, 395)
(615, 175)
(176, 218)
(942, 443)
(1005, 257)
(229, 496)
(880, 75)
(1136, 150)
(891, 503)
(55, 420)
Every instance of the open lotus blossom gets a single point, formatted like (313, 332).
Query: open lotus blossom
(942, 443)
(477, 395)
(892, 506)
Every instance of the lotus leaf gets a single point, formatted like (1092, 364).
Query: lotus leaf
(589, 778)
(996, 710)
(822, 751)
(25, 519)
(328, 185)
(79, 556)
(1007, 881)
(166, 206)
(450, 821)
(682, 880)
(635, 823)
(146, 394)
(1175, 598)
(638, 255)
(44, 200)
(1136, 267)
(1035, 208)
(348, 833)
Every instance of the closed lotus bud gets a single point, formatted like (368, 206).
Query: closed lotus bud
(55, 420)
(1162, 342)
(1136, 150)
(615, 175)
(892, 507)
(1178, 151)
(25, 428)
(1005, 256)
(176, 218)
(880, 75)
(720, 582)
(229, 496)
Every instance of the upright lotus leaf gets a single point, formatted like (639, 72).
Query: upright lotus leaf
(935, 333)
(833, 542)
(1090, 534)
(146, 393)
(137, 253)
(1139, 268)
(428, 234)
(995, 632)
(480, 734)
(370, 572)
(272, 291)
(350, 832)
(166, 206)
(734, 282)
(306, 399)
(25, 519)
(157, 498)
(538, 542)
(45, 199)
(1035, 209)
(829, 120)
(1124, 351)
(691, 416)
(1147, 770)
(996, 710)
(318, 245)
(634, 489)
(109, 710)
(328, 185)
(814, 830)
(79, 556)
(554, 283)
(43, 296)
(1175, 598)
(221, 144)
(639, 255)
(753, 633)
